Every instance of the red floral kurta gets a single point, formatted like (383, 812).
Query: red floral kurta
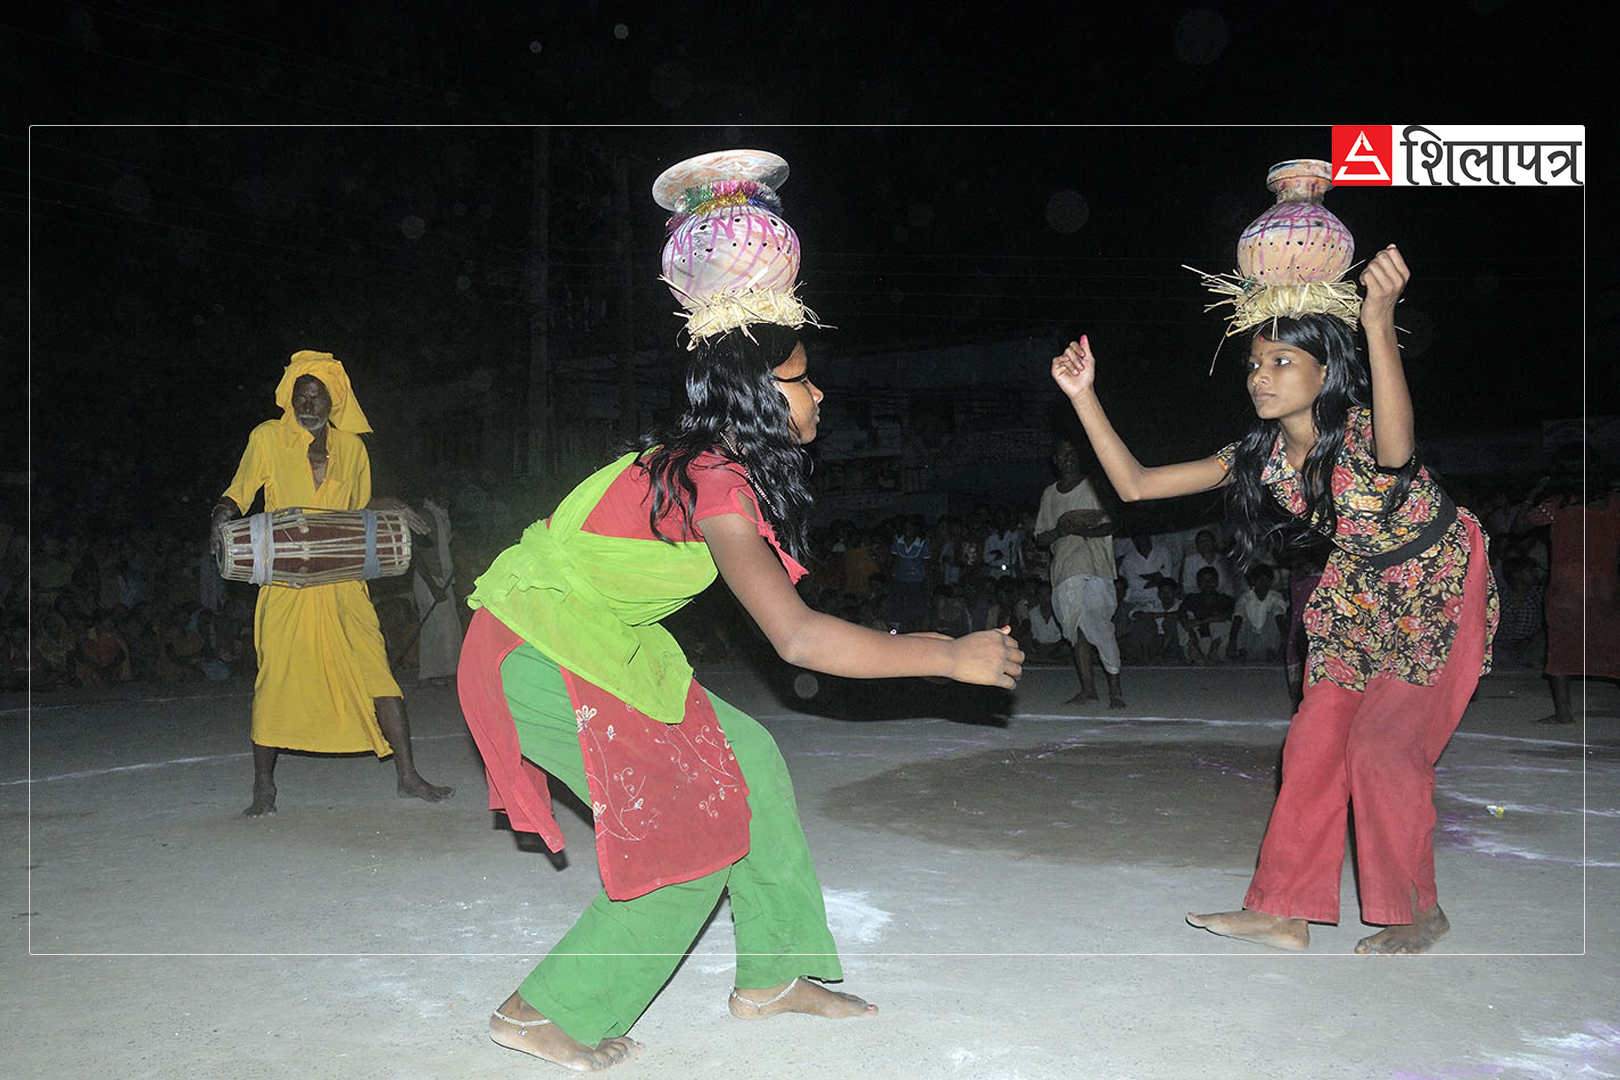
(1364, 622)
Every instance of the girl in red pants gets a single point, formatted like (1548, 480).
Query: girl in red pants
(1398, 628)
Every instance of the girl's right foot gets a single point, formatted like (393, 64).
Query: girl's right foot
(799, 996)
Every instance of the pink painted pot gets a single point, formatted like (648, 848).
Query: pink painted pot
(728, 250)
(1298, 239)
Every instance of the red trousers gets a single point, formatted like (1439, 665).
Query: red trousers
(1370, 752)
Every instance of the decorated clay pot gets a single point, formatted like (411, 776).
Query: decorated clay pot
(730, 249)
(727, 236)
(1297, 240)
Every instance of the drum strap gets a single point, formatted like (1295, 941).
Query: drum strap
(371, 567)
(262, 539)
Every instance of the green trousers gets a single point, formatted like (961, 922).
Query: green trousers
(605, 971)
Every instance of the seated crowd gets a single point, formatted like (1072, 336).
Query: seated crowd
(1182, 599)
(151, 606)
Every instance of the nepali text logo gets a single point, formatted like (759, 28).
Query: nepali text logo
(1472, 155)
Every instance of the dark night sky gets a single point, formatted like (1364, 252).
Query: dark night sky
(173, 269)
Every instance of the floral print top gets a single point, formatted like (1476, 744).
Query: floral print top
(1363, 621)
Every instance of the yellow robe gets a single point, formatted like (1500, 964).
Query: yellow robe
(322, 659)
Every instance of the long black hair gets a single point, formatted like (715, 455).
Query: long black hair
(1263, 529)
(734, 409)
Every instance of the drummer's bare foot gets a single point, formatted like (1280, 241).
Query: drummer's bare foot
(1255, 926)
(1082, 697)
(416, 787)
(517, 1026)
(264, 801)
(1426, 928)
(397, 730)
(799, 996)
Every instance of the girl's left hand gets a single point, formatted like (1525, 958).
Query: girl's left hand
(1384, 280)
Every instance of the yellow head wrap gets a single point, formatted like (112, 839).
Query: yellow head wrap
(346, 412)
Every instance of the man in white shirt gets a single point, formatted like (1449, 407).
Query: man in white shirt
(1259, 619)
(1145, 563)
(1073, 523)
(1206, 553)
(1003, 547)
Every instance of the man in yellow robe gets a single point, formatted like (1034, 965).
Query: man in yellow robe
(324, 683)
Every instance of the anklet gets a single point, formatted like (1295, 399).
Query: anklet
(521, 1025)
(786, 990)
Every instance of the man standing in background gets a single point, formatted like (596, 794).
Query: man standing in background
(1073, 523)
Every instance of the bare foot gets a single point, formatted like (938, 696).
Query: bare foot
(264, 801)
(1426, 928)
(1556, 718)
(1256, 926)
(799, 996)
(423, 790)
(1082, 697)
(517, 1026)
(1115, 701)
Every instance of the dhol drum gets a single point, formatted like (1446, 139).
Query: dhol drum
(299, 547)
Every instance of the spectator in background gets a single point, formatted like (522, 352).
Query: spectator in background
(53, 572)
(1207, 554)
(1073, 524)
(104, 655)
(907, 604)
(1583, 584)
(1143, 566)
(1156, 626)
(433, 580)
(1521, 638)
(860, 563)
(950, 542)
(1006, 609)
(54, 648)
(875, 605)
(970, 551)
(1207, 616)
(950, 616)
(1259, 619)
(1003, 547)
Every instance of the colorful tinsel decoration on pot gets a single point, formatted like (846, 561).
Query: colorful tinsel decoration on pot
(707, 198)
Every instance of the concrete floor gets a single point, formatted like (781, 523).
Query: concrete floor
(1007, 879)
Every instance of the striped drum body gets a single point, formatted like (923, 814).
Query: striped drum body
(298, 547)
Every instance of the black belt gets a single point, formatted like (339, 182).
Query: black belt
(1445, 517)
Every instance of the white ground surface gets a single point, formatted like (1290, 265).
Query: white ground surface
(1010, 892)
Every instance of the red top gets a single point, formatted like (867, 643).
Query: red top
(722, 488)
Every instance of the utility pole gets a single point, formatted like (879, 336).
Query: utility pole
(536, 267)
(628, 421)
